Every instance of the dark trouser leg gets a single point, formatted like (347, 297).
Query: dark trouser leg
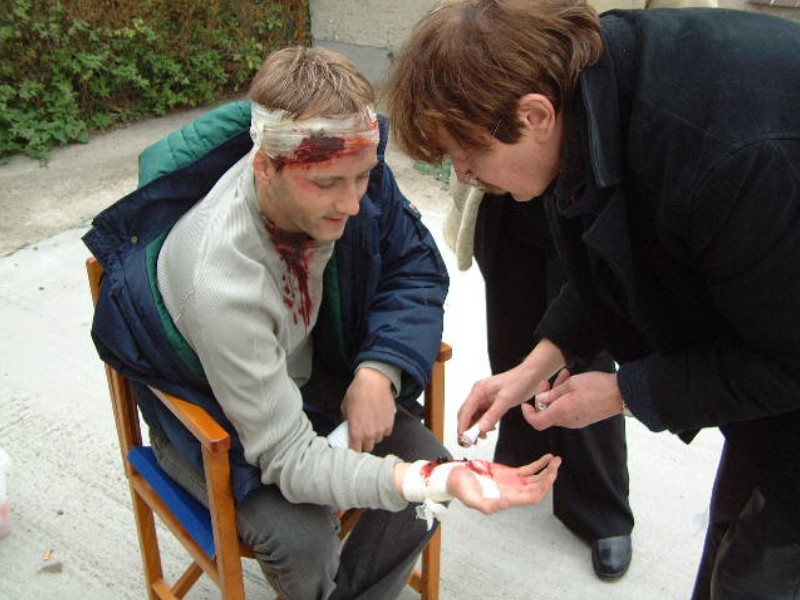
(522, 275)
(747, 554)
(592, 496)
(750, 564)
(381, 551)
(733, 486)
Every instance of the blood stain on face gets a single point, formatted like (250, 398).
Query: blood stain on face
(295, 248)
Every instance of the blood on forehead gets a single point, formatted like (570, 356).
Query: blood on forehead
(320, 148)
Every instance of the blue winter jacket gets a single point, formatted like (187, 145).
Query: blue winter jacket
(384, 287)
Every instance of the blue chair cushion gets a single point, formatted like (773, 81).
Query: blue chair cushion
(192, 514)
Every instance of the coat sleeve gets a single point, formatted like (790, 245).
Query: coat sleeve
(405, 318)
(743, 234)
(564, 323)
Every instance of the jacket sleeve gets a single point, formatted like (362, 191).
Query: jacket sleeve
(565, 324)
(405, 319)
(742, 231)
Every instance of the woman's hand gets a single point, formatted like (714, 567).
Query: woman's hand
(490, 398)
(576, 401)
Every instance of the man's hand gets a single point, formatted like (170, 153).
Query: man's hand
(369, 408)
(518, 486)
(576, 401)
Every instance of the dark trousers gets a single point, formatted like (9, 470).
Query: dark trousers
(749, 552)
(522, 276)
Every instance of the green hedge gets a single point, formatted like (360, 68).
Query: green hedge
(69, 67)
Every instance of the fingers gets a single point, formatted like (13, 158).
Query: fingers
(536, 466)
(358, 444)
(468, 410)
(367, 440)
(562, 376)
(530, 489)
(545, 398)
(489, 419)
(545, 472)
(538, 419)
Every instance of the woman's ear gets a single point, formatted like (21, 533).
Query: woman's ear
(537, 115)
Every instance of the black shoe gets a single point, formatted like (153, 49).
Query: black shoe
(611, 556)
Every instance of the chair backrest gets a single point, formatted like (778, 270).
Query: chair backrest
(209, 534)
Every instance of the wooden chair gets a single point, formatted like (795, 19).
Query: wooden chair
(209, 535)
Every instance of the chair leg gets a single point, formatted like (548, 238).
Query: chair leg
(430, 567)
(187, 580)
(148, 543)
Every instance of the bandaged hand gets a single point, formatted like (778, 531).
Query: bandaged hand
(482, 485)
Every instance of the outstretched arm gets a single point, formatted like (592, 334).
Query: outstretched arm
(484, 486)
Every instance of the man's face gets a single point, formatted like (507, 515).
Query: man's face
(316, 198)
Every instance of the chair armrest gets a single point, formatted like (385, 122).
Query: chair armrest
(216, 443)
(216, 439)
(208, 432)
(434, 393)
(445, 353)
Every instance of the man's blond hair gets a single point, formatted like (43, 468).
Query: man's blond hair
(312, 82)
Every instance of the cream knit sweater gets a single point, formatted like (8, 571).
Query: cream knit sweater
(248, 317)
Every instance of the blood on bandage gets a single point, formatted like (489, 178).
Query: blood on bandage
(307, 142)
(479, 467)
(320, 147)
(314, 149)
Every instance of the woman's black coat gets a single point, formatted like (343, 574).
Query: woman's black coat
(677, 216)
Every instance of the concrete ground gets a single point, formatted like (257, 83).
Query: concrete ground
(72, 532)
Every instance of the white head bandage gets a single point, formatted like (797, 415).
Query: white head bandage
(309, 141)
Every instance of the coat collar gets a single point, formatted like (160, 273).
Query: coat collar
(598, 91)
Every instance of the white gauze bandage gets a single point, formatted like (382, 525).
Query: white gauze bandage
(309, 140)
(425, 482)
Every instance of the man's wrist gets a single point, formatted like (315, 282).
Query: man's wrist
(392, 373)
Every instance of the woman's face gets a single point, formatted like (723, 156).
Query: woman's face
(524, 168)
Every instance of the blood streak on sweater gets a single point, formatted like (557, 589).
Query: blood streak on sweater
(295, 250)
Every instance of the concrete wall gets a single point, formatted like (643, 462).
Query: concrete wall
(368, 31)
(371, 31)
